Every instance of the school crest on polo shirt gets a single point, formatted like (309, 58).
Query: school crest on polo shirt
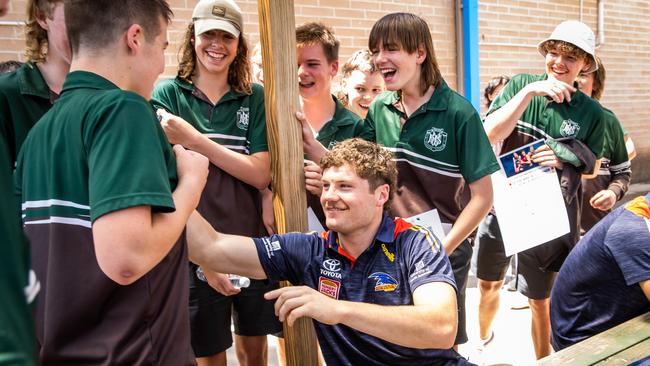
(569, 128)
(242, 118)
(435, 139)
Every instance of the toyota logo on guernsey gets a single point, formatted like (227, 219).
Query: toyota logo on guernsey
(331, 268)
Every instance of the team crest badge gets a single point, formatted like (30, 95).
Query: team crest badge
(435, 139)
(384, 282)
(329, 287)
(569, 128)
(242, 118)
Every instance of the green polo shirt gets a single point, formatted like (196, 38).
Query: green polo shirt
(614, 150)
(24, 99)
(237, 121)
(344, 125)
(17, 341)
(100, 149)
(438, 148)
(581, 118)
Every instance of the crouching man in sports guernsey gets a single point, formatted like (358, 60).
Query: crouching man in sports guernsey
(380, 290)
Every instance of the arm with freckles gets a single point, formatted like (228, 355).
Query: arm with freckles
(475, 211)
(252, 169)
(431, 321)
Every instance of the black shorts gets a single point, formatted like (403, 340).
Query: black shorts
(532, 281)
(210, 316)
(492, 263)
(460, 262)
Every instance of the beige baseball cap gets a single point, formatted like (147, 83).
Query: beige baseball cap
(578, 34)
(224, 15)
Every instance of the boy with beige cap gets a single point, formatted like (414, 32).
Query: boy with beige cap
(532, 107)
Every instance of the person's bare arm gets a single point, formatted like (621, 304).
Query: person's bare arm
(253, 169)
(222, 253)
(478, 206)
(629, 146)
(645, 287)
(130, 242)
(500, 123)
(430, 323)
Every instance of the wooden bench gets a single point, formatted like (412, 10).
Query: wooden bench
(621, 345)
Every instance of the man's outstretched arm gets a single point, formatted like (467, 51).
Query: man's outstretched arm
(430, 323)
(221, 252)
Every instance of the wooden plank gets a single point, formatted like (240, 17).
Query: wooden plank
(627, 356)
(603, 345)
(278, 38)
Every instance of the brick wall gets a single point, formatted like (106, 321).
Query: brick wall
(509, 32)
(351, 20)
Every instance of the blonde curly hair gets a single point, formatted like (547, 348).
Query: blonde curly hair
(369, 160)
(35, 36)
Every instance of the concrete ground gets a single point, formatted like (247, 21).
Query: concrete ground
(512, 344)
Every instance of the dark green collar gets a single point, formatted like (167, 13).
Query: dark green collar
(188, 85)
(88, 80)
(31, 82)
(439, 100)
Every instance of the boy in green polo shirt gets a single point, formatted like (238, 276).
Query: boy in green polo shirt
(436, 137)
(105, 199)
(27, 93)
(318, 63)
(533, 107)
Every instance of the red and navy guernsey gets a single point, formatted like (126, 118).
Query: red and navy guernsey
(401, 258)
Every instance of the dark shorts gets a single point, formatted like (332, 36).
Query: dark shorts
(532, 281)
(492, 263)
(460, 262)
(210, 316)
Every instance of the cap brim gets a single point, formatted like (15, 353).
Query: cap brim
(204, 25)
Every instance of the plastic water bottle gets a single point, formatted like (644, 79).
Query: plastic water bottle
(239, 281)
(235, 281)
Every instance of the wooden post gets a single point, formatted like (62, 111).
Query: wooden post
(278, 38)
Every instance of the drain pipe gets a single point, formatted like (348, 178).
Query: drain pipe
(467, 51)
(601, 23)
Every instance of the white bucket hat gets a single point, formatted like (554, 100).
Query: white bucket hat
(579, 35)
(224, 15)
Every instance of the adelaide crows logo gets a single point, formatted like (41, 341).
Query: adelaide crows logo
(384, 282)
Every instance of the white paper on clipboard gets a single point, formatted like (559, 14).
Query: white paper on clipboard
(430, 220)
(528, 201)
